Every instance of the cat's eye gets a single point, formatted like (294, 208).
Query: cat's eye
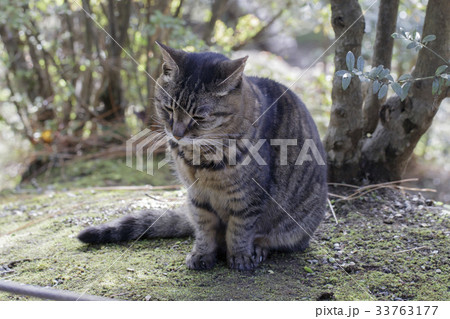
(198, 118)
(166, 69)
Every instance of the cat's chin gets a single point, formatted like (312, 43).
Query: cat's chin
(182, 141)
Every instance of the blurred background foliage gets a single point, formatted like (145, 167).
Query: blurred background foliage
(70, 96)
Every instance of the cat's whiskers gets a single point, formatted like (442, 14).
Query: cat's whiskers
(222, 135)
(158, 142)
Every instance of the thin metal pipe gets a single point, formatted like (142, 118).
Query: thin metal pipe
(46, 293)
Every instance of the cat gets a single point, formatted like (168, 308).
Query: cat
(238, 208)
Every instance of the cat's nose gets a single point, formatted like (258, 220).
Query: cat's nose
(178, 130)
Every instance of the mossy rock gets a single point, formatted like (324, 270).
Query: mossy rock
(377, 251)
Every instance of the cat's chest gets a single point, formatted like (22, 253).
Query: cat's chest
(222, 190)
(217, 186)
(210, 175)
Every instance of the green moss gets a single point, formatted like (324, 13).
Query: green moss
(100, 172)
(38, 241)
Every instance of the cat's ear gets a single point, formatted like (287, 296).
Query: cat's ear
(172, 60)
(232, 71)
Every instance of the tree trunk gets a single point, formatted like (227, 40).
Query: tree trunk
(382, 55)
(345, 129)
(217, 9)
(386, 154)
(23, 73)
(163, 35)
(112, 95)
(87, 79)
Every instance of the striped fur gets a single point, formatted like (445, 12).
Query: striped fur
(243, 210)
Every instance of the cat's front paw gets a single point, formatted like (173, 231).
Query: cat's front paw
(241, 262)
(259, 254)
(200, 261)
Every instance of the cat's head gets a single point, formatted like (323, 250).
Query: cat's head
(198, 95)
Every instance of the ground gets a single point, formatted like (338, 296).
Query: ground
(386, 246)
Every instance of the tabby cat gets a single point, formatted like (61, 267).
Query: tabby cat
(245, 203)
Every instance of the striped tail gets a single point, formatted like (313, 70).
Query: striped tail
(145, 224)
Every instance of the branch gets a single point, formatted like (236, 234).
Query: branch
(178, 10)
(386, 154)
(217, 9)
(61, 73)
(384, 43)
(25, 121)
(261, 31)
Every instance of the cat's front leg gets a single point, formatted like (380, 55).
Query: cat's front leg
(203, 254)
(240, 243)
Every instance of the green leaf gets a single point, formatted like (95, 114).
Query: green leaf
(405, 77)
(379, 69)
(441, 69)
(375, 71)
(350, 60)
(405, 90)
(435, 86)
(307, 269)
(384, 73)
(390, 78)
(429, 38)
(363, 78)
(346, 78)
(412, 45)
(445, 77)
(383, 91)
(376, 86)
(360, 63)
(397, 89)
(397, 36)
(341, 72)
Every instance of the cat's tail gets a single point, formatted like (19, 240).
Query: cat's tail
(145, 224)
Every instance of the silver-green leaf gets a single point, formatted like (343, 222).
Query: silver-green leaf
(429, 38)
(405, 90)
(379, 69)
(376, 86)
(403, 31)
(350, 60)
(397, 89)
(389, 77)
(412, 45)
(384, 73)
(346, 78)
(341, 72)
(441, 69)
(405, 77)
(383, 91)
(360, 63)
(435, 86)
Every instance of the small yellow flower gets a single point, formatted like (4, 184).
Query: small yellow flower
(47, 136)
